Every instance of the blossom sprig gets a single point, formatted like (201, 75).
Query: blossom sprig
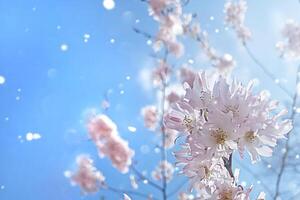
(103, 131)
(223, 63)
(290, 47)
(87, 176)
(168, 14)
(220, 119)
(235, 13)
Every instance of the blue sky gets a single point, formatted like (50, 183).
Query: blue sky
(49, 91)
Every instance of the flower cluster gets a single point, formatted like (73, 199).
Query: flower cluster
(166, 167)
(161, 73)
(235, 17)
(104, 134)
(219, 120)
(150, 115)
(223, 63)
(87, 176)
(291, 46)
(168, 13)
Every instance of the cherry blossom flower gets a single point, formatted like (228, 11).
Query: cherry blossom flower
(224, 64)
(150, 115)
(219, 119)
(181, 117)
(104, 133)
(173, 97)
(87, 176)
(290, 47)
(118, 151)
(167, 168)
(168, 13)
(101, 127)
(161, 73)
(227, 190)
(235, 17)
(187, 75)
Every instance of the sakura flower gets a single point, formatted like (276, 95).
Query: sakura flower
(173, 97)
(187, 75)
(118, 151)
(199, 94)
(181, 117)
(157, 6)
(290, 47)
(167, 168)
(226, 190)
(225, 63)
(161, 73)
(101, 127)
(219, 132)
(150, 115)
(176, 48)
(235, 17)
(219, 119)
(87, 176)
(168, 13)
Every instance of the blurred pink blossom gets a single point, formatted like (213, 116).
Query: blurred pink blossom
(150, 115)
(87, 176)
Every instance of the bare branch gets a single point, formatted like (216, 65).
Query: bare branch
(287, 147)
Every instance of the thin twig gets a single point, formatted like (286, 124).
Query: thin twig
(163, 151)
(141, 176)
(178, 188)
(287, 147)
(143, 33)
(265, 70)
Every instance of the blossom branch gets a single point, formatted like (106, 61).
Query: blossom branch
(228, 165)
(163, 151)
(287, 147)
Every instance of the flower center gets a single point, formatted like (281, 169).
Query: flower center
(188, 121)
(226, 195)
(250, 136)
(220, 135)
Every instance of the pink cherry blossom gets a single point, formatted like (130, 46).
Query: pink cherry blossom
(290, 47)
(101, 127)
(219, 119)
(150, 115)
(118, 151)
(168, 169)
(235, 17)
(87, 176)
